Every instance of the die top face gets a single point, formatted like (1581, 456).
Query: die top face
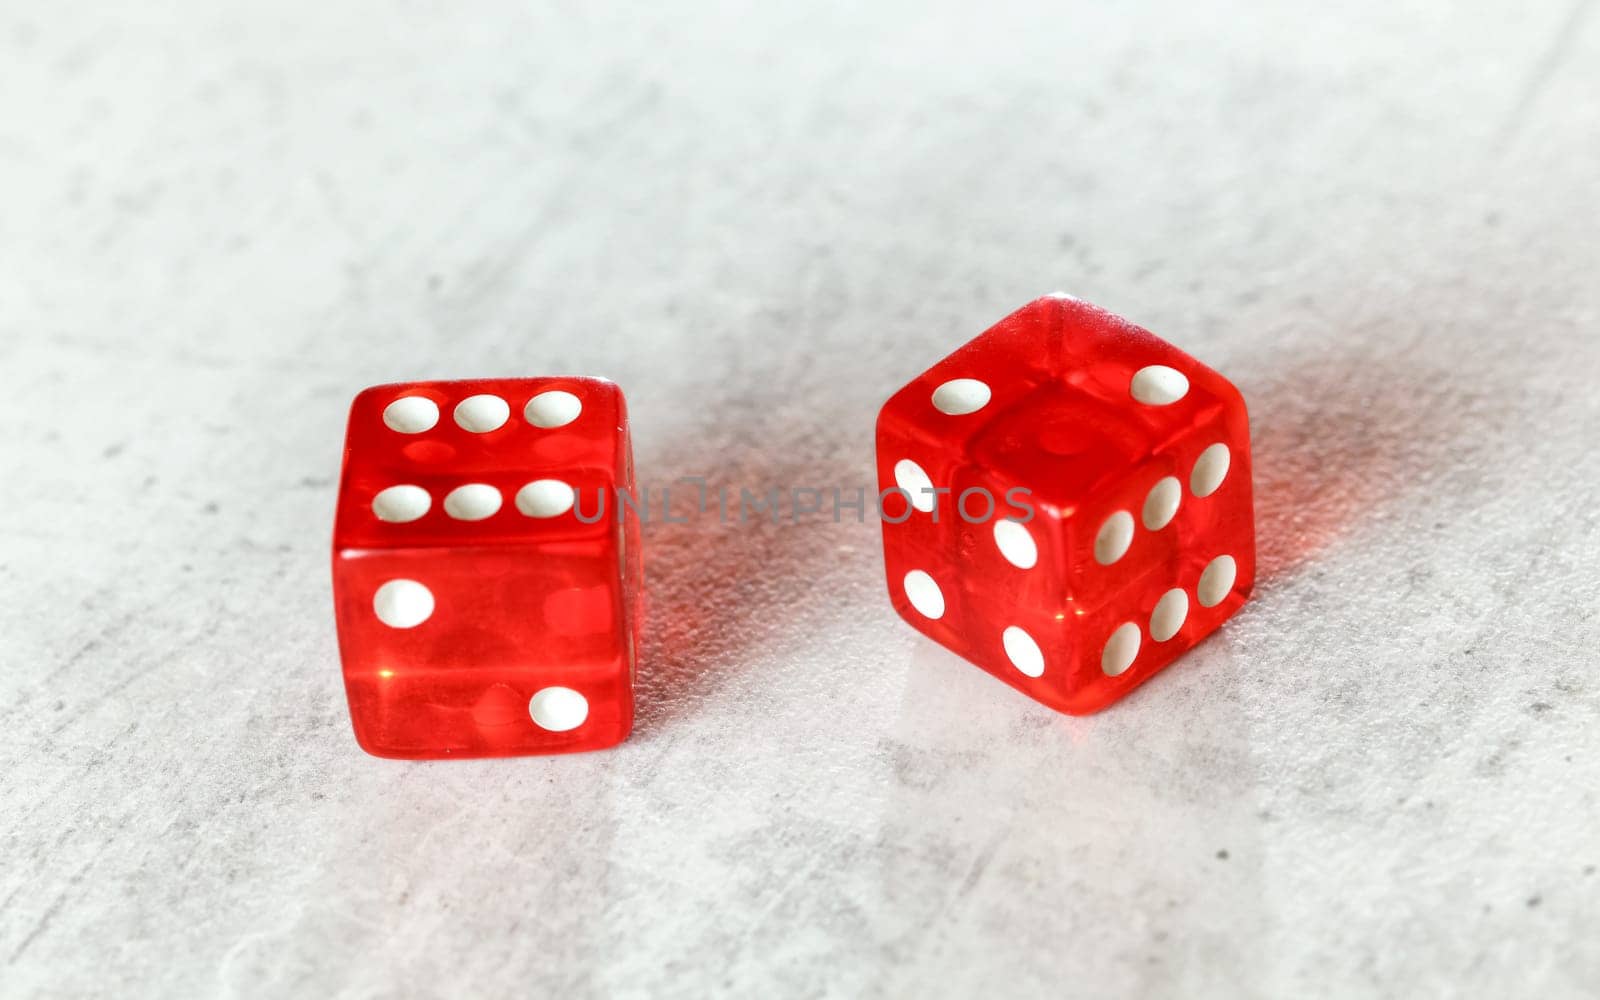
(482, 462)
(1061, 398)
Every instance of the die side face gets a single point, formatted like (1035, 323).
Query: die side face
(1076, 607)
(479, 614)
(461, 683)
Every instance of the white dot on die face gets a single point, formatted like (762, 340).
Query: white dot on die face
(1217, 581)
(1023, 652)
(553, 409)
(403, 603)
(411, 414)
(399, 504)
(1121, 649)
(558, 709)
(910, 477)
(1169, 615)
(924, 594)
(1210, 470)
(1161, 506)
(472, 502)
(961, 397)
(482, 414)
(1159, 385)
(546, 498)
(1016, 544)
(1114, 538)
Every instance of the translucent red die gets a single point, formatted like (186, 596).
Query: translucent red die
(1080, 503)
(486, 577)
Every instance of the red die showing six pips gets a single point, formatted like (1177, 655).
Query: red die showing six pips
(486, 577)
(1079, 503)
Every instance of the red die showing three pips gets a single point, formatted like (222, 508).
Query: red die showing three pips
(1079, 503)
(1074, 513)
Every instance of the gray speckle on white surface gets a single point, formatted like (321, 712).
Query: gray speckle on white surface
(218, 221)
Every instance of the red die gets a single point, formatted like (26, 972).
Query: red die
(1081, 503)
(486, 576)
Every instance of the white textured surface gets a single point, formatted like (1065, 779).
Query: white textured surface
(220, 220)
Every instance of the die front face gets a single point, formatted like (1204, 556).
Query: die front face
(486, 577)
(1098, 520)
